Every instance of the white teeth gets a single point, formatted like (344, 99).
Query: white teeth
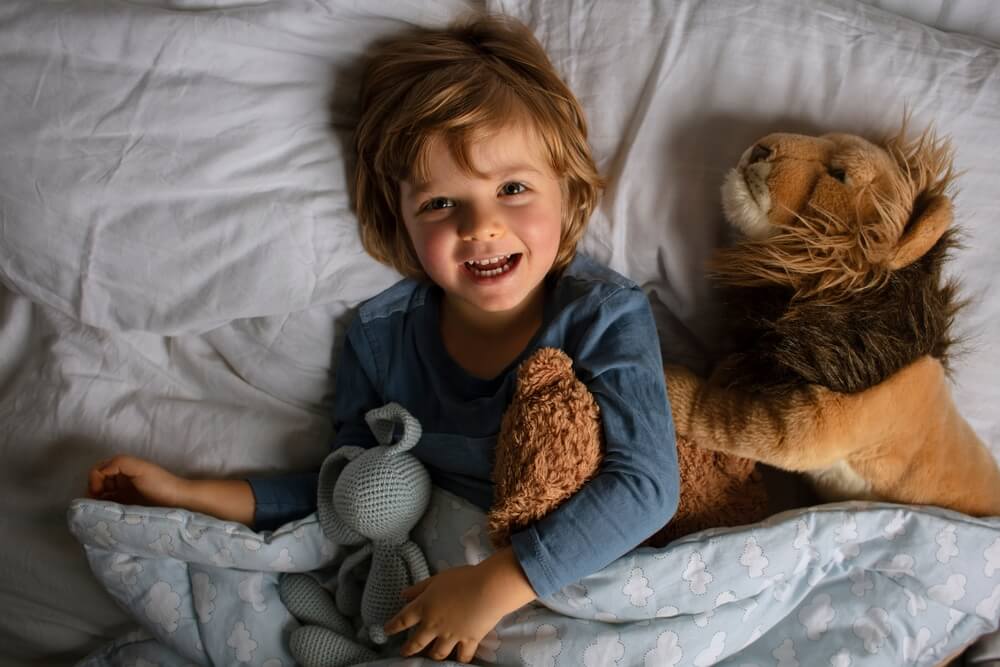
(487, 273)
(491, 260)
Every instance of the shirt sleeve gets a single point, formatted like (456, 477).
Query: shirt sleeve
(284, 498)
(636, 489)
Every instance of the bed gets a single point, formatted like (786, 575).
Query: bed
(178, 258)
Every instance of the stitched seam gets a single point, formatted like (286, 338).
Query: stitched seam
(537, 548)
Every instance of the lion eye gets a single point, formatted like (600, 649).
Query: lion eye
(837, 173)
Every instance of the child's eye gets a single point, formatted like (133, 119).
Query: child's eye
(513, 188)
(437, 204)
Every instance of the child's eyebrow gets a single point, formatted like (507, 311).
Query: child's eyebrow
(513, 169)
(426, 187)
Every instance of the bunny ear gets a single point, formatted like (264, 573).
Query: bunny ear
(341, 456)
(392, 419)
(333, 466)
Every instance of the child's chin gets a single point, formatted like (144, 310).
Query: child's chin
(499, 305)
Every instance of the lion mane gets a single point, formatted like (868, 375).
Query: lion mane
(815, 303)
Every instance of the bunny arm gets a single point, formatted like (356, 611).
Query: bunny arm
(352, 562)
(350, 607)
(415, 560)
(416, 568)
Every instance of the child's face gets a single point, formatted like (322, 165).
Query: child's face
(488, 240)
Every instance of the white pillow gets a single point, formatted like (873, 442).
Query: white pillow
(173, 170)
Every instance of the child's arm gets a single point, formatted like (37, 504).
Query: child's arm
(134, 481)
(287, 497)
(616, 353)
(261, 503)
(455, 609)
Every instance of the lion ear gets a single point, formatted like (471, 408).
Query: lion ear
(922, 233)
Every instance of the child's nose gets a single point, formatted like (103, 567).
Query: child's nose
(482, 225)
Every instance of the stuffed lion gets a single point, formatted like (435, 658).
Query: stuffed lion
(841, 324)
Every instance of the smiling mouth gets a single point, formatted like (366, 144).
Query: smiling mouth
(492, 266)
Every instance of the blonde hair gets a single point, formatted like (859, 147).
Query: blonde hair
(462, 83)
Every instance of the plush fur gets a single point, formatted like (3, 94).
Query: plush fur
(551, 443)
(717, 490)
(841, 323)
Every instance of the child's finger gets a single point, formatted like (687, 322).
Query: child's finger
(417, 642)
(117, 465)
(442, 648)
(95, 483)
(416, 589)
(406, 618)
(467, 650)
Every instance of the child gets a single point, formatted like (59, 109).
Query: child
(475, 180)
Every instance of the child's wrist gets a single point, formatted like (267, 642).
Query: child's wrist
(229, 499)
(185, 493)
(508, 581)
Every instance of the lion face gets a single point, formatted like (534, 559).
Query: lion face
(787, 174)
(833, 211)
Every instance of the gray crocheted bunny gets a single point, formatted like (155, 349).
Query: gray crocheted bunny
(373, 498)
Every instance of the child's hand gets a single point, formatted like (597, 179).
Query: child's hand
(456, 608)
(134, 481)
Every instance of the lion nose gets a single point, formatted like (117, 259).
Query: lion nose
(759, 153)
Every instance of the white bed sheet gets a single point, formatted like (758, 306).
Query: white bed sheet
(978, 18)
(177, 258)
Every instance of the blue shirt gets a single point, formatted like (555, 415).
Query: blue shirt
(394, 352)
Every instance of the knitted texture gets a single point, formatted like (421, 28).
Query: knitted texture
(316, 646)
(311, 604)
(386, 509)
(324, 638)
(371, 498)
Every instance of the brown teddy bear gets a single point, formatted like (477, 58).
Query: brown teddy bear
(841, 321)
(551, 443)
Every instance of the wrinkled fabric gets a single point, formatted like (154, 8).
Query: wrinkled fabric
(178, 260)
(847, 583)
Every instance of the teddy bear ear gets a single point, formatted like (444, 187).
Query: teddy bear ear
(922, 232)
(546, 366)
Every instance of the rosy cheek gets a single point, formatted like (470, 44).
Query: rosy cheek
(432, 247)
(538, 222)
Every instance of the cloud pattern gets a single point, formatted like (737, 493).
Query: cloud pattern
(753, 558)
(759, 596)
(162, 607)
